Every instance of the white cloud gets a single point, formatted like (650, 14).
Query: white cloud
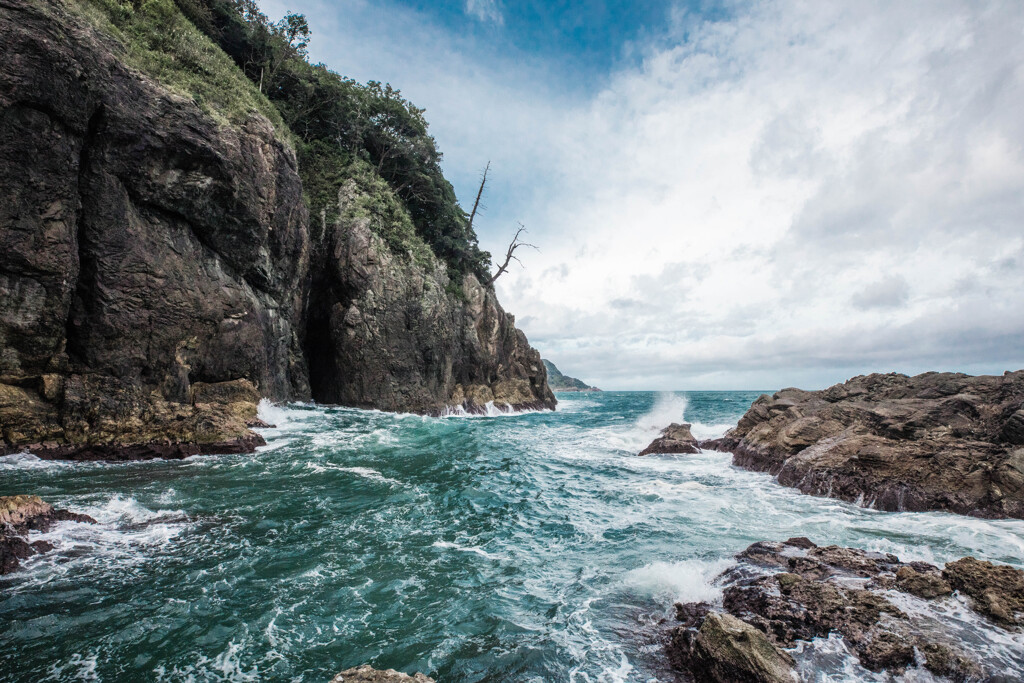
(801, 192)
(485, 10)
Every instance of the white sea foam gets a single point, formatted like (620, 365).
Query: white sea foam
(467, 549)
(78, 667)
(489, 410)
(27, 461)
(277, 415)
(683, 581)
(365, 472)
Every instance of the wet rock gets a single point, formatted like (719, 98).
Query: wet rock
(950, 662)
(936, 441)
(367, 674)
(798, 591)
(728, 650)
(18, 516)
(676, 438)
(692, 614)
(926, 585)
(996, 591)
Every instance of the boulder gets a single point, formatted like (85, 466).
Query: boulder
(676, 438)
(728, 650)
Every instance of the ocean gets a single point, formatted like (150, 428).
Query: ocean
(507, 547)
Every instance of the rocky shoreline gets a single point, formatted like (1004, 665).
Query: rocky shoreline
(936, 441)
(18, 516)
(779, 595)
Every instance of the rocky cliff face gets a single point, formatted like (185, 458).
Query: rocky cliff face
(156, 278)
(391, 331)
(937, 441)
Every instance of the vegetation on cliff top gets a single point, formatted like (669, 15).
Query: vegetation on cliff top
(342, 130)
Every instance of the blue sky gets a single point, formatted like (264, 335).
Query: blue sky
(731, 195)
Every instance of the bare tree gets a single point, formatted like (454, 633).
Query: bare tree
(479, 193)
(510, 255)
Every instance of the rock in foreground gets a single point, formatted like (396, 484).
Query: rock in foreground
(18, 516)
(782, 594)
(937, 441)
(728, 650)
(367, 674)
(676, 438)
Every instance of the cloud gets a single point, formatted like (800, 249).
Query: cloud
(485, 10)
(889, 292)
(787, 195)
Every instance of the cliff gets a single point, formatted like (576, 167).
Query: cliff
(159, 274)
(936, 441)
(560, 382)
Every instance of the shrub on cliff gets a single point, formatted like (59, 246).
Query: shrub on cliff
(338, 122)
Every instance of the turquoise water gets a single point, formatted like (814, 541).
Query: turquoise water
(533, 547)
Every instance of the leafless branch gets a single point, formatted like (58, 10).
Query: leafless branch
(510, 255)
(479, 193)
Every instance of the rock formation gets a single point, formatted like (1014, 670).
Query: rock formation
(388, 333)
(782, 593)
(560, 382)
(937, 441)
(367, 674)
(157, 280)
(18, 516)
(676, 438)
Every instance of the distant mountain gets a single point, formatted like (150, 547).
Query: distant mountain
(559, 382)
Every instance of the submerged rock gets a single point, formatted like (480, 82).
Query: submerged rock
(796, 591)
(676, 438)
(367, 674)
(937, 441)
(18, 516)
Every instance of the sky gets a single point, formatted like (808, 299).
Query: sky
(727, 195)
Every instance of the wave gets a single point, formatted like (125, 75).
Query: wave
(365, 472)
(489, 410)
(682, 581)
(467, 549)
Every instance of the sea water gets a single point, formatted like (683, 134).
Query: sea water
(506, 547)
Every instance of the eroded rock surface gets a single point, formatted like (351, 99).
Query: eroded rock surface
(367, 674)
(796, 591)
(676, 438)
(936, 441)
(18, 516)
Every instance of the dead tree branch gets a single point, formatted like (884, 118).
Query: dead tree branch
(479, 193)
(510, 255)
